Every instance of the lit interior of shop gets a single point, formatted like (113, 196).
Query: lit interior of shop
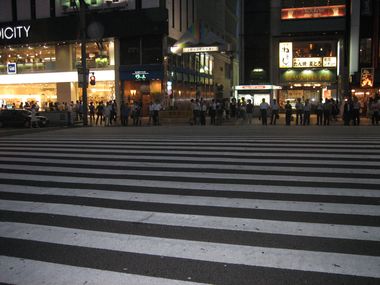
(37, 74)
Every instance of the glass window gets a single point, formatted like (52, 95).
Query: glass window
(28, 58)
(152, 50)
(365, 52)
(310, 3)
(150, 4)
(6, 11)
(314, 49)
(23, 10)
(98, 54)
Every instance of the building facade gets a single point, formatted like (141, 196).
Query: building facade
(312, 49)
(128, 50)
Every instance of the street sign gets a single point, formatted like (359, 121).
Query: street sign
(83, 77)
(12, 68)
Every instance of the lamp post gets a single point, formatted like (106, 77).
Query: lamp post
(82, 14)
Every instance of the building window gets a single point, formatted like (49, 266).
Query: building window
(28, 58)
(150, 4)
(14, 10)
(187, 14)
(98, 54)
(173, 14)
(310, 3)
(365, 52)
(180, 15)
(193, 11)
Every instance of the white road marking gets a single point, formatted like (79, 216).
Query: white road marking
(199, 221)
(253, 147)
(295, 206)
(195, 175)
(32, 272)
(195, 185)
(100, 156)
(335, 263)
(163, 165)
(251, 153)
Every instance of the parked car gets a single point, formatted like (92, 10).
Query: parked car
(20, 118)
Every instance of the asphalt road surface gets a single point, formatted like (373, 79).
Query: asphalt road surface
(190, 205)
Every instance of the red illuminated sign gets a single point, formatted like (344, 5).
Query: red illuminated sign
(313, 12)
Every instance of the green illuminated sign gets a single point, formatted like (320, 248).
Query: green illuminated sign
(69, 3)
(140, 75)
(324, 75)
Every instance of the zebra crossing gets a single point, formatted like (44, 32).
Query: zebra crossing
(189, 210)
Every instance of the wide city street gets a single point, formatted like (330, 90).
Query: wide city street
(190, 205)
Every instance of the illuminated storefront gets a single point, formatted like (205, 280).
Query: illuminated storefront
(45, 73)
(40, 58)
(308, 70)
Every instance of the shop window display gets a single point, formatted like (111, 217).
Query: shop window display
(28, 58)
(98, 54)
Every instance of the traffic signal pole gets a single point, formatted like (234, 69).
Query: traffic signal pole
(84, 65)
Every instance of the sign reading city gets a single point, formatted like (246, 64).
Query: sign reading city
(140, 75)
(200, 49)
(17, 32)
(12, 68)
(286, 55)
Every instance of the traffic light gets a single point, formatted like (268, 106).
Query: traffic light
(92, 79)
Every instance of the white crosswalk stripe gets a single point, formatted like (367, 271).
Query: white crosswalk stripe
(180, 210)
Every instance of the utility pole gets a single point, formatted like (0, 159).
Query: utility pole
(82, 15)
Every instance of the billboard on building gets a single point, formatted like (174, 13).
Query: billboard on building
(366, 77)
(286, 54)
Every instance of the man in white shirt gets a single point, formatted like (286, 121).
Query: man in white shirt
(306, 113)
(264, 106)
(275, 108)
(156, 110)
(299, 112)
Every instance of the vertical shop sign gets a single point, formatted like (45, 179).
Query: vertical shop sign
(286, 55)
(367, 76)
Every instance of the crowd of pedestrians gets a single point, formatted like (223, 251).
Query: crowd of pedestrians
(238, 111)
(242, 111)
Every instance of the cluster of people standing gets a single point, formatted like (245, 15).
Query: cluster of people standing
(299, 113)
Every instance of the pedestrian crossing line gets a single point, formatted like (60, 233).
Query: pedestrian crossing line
(242, 168)
(256, 238)
(198, 159)
(252, 153)
(181, 186)
(172, 268)
(190, 210)
(327, 230)
(265, 148)
(32, 272)
(278, 215)
(334, 263)
(296, 206)
(187, 176)
(199, 139)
